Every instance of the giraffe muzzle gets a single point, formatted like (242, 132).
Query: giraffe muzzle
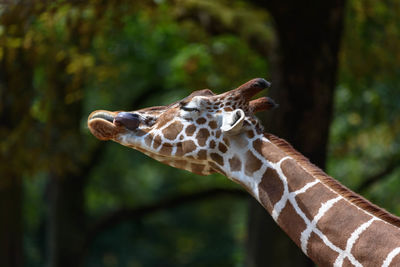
(130, 120)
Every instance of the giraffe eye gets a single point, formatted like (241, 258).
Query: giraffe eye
(190, 109)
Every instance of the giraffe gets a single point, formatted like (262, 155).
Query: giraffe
(206, 133)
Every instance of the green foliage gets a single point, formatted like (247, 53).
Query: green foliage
(193, 235)
(365, 135)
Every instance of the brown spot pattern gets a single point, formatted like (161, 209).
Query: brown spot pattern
(235, 164)
(166, 149)
(201, 120)
(202, 155)
(291, 223)
(212, 124)
(147, 140)
(172, 131)
(165, 119)
(347, 263)
(270, 189)
(321, 254)
(202, 136)
(340, 221)
(217, 158)
(297, 177)
(268, 150)
(252, 163)
(396, 261)
(250, 134)
(190, 130)
(157, 141)
(212, 144)
(179, 149)
(311, 200)
(188, 146)
(384, 238)
(258, 146)
(222, 147)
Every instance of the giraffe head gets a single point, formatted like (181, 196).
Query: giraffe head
(195, 133)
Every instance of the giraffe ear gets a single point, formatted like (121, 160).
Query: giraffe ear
(232, 122)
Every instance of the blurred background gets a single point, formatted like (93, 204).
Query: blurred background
(67, 199)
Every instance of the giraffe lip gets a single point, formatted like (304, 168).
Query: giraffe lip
(102, 115)
(100, 124)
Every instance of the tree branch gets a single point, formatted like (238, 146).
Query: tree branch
(125, 214)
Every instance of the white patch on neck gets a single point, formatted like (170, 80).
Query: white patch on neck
(235, 149)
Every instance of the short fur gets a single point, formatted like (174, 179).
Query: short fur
(349, 195)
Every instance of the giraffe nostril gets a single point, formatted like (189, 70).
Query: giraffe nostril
(129, 120)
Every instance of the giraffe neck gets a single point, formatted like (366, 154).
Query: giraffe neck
(330, 223)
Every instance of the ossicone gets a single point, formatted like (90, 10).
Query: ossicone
(262, 103)
(252, 87)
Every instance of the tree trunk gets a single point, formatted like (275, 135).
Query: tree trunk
(67, 221)
(11, 221)
(16, 92)
(303, 82)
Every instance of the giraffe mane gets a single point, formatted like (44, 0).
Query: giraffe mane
(342, 190)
